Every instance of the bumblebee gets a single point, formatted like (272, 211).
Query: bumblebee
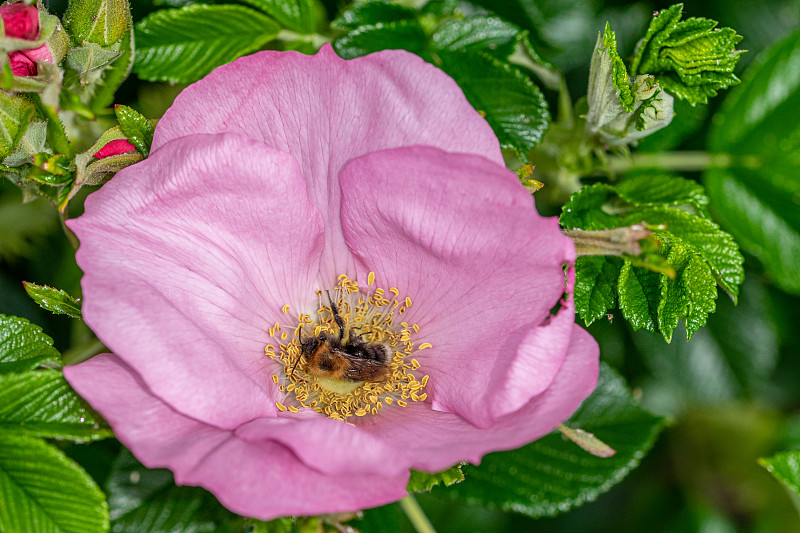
(333, 357)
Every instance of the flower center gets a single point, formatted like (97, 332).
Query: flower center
(354, 358)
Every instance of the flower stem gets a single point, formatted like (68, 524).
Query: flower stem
(686, 161)
(416, 515)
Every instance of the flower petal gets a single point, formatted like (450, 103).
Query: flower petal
(439, 440)
(460, 236)
(325, 111)
(257, 478)
(189, 257)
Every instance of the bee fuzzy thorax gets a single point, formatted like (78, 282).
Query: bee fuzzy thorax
(354, 357)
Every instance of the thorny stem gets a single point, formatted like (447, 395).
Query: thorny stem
(416, 515)
(686, 161)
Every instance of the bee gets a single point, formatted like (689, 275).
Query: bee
(333, 357)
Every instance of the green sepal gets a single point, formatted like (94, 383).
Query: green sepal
(16, 113)
(424, 482)
(102, 22)
(56, 301)
(691, 59)
(136, 128)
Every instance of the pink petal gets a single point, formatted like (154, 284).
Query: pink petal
(115, 147)
(189, 257)
(438, 440)
(325, 111)
(460, 236)
(21, 65)
(256, 478)
(42, 53)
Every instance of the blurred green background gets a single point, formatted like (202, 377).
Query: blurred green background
(732, 393)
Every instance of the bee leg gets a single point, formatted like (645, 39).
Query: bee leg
(336, 317)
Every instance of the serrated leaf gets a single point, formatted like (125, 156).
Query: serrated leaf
(23, 345)
(691, 59)
(16, 113)
(756, 201)
(142, 499)
(136, 128)
(40, 403)
(400, 34)
(102, 22)
(54, 300)
(553, 475)
(584, 209)
(661, 189)
(183, 45)
(44, 491)
(513, 105)
(424, 482)
(639, 293)
(372, 13)
(478, 32)
(785, 467)
(299, 15)
(596, 279)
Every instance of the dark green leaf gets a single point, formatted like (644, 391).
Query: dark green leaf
(757, 201)
(401, 34)
(584, 209)
(102, 22)
(183, 45)
(513, 105)
(372, 13)
(660, 189)
(41, 490)
(596, 285)
(424, 482)
(299, 15)
(148, 500)
(639, 294)
(23, 345)
(553, 474)
(39, 403)
(136, 128)
(690, 59)
(54, 300)
(16, 113)
(479, 32)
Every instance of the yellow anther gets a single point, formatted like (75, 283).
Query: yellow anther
(394, 291)
(415, 328)
(425, 345)
(414, 364)
(388, 400)
(408, 301)
(280, 406)
(274, 378)
(422, 397)
(293, 409)
(370, 278)
(285, 309)
(424, 381)
(401, 403)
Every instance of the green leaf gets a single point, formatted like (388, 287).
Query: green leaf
(102, 22)
(478, 32)
(513, 105)
(595, 285)
(661, 189)
(400, 34)
(40, 403)
(585, 208)
(424, 482)
(785, 467)
(690, 59)
(44, 491)
(23, 345)
(16, 113)
(553, 475)
(371, 14)
(136, 128)
(756, 200)
(148, 500)
(639, 292)
(54, 300)
(183, 45)
(299, 15)
(114, 74)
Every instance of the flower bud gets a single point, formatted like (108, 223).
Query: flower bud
(20, 21)
(102, 22)
(115, 147)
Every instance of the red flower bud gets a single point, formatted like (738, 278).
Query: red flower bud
(20, 21)
(116, 147)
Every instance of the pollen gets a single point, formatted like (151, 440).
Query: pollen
(376, 316)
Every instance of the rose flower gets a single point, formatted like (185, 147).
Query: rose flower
(321, 277)
(21, 21)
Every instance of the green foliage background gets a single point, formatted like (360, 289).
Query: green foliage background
(729, 396)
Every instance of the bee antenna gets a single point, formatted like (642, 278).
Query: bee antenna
(300, 355)
(336, 317)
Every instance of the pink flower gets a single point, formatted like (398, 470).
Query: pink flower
(21, 21)
(115, 147)
(272, 180)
